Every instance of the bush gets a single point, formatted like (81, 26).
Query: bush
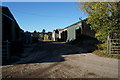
(103, 53)
(102, 46)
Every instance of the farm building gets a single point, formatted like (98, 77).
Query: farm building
(46, 36)
(12, 35)
(41, 36)
(73, 31)
(49, 35)
(56, 34)
(63, 35)
(28, 37)
(76, 30)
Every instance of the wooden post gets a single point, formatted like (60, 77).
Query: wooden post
(108, 44)
(110, 41)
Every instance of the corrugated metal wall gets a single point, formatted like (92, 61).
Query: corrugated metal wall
(72, 31)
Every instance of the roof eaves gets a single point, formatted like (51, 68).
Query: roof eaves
(73, 24)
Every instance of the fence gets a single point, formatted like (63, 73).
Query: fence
(113, 46)
(5, 50)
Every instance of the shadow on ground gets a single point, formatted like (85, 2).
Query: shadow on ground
(86, 42)
(51, 51)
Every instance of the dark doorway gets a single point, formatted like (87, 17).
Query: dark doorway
(78, 32)
(64, 35)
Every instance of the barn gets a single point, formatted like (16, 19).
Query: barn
(12, 35)
(73, 31)
(77, 29)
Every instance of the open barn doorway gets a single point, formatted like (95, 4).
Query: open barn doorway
(64, 35)
(78, 32)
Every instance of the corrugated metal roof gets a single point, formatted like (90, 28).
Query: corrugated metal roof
(76, 23)
(73, 24)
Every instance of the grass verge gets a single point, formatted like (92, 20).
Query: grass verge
(103, 53)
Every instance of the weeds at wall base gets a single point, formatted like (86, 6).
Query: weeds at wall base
(103, 53)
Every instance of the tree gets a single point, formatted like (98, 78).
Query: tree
(43, 31)
(104, 18)
(35, 34)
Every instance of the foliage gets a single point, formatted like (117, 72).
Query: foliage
(103, 17)
(35, 34)
(102, 46)
(43, 31)
(102, 53)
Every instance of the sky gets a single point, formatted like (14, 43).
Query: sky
(37, 16)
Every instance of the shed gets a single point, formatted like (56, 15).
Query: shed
(77, 29)
(73, 31)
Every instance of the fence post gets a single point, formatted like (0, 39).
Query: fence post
(108, 44)
(110, 41)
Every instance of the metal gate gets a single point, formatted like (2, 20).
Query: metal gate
(113, 46)
(6, 50)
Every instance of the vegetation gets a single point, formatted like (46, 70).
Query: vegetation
(103, 53)
(43, 31)
(104, 18)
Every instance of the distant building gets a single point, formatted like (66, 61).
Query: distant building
(41, 36)
(28, 37)
(50, 35)
(53, 35)
(46, 37)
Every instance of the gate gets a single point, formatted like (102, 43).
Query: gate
(6, 50)
(113, 46)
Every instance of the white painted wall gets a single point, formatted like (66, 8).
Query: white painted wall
(53, 35)
(60, 34)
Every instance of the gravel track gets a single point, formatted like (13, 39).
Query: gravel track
(56, 60)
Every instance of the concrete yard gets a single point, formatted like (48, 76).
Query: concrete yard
(60, 60)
